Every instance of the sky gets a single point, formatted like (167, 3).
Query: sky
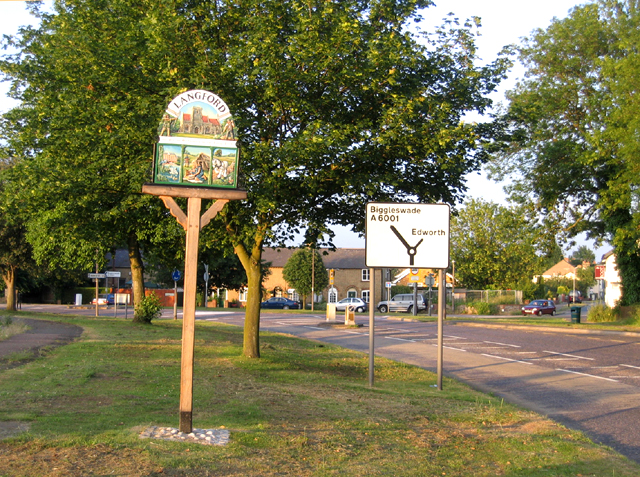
(503, 22)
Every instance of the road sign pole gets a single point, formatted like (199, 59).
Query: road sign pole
(441, 314)
(175, 300)
(372, 322)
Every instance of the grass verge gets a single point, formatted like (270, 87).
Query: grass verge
(303, 409)
(10, 327)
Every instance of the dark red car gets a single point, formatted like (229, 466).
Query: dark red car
(540, 307)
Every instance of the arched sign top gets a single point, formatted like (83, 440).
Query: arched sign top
(197, 143)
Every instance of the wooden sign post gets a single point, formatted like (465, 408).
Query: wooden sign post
(192, 222)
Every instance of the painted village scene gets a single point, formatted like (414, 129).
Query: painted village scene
(197, 147)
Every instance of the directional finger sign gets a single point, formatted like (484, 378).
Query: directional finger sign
(407, 235)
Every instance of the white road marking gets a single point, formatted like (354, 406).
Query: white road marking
(569, 355)
(588, 375)
(630, 366)
(506, 359)
(503, 344)
(399, 339)
(314, 327)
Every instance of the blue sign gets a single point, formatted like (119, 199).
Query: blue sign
(176, 275)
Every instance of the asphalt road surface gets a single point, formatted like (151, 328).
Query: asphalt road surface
(588, 381)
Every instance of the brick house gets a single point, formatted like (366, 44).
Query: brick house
(351, 276)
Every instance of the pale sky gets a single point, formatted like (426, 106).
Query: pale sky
(503, 22)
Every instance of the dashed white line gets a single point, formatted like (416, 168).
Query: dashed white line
(569, 355)
(503, 344)
(399, 339)
(506, 359)
(313, 327)
(588, 375)
(630, 366)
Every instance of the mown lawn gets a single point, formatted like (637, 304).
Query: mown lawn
(303, 409)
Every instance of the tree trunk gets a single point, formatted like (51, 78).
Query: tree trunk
(137, 270)
(251, 343)
(251, 264)
(9, 277)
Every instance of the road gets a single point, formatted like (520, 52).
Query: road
(586, 381)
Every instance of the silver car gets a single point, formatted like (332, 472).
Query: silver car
(402, 303)
(358, 305)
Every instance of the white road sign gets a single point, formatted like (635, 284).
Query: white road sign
(407, 235)
(97, 275)
(113, 274)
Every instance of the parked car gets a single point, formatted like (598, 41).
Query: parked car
(402, 303)
(104, 299)
(357, 304)
(540, 307)
(578, 297)
(280, 303)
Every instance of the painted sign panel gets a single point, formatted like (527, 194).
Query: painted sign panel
(407, 235)
(197, 143)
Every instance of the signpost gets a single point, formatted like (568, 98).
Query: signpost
(408, 235)
(196, 158)
(176, 276)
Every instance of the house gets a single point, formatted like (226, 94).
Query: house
(562, 269)
(351, 275)
(613, 283)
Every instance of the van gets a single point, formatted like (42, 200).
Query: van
(402, 303)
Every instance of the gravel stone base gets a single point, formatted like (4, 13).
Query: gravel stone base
(211, 437)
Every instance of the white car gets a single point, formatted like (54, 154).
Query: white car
(357, 304)
(402, 303)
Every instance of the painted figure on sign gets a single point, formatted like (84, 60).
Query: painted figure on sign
(229, 130)
(197, 174)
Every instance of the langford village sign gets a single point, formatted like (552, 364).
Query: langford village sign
(197, 143)
(196, 157)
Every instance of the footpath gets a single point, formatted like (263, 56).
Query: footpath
(42, 334)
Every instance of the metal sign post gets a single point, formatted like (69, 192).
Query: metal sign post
(372, 323)
(441, 315)
(176, 276)
(96, 276)
(408, 235)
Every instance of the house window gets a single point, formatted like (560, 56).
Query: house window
(242, 294)
(365, 296)
(365, 275)
(293, 294)
(333, 295)
(352, 293)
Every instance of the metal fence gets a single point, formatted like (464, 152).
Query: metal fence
(498, 297)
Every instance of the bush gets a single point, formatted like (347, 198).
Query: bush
(601, 313)
(149, 308)
(483, 308)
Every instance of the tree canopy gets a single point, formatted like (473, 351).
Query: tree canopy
(336, 104)
(494, 246)
(305, 271)
(574, 128)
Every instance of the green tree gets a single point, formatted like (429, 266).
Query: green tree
(494, 246)
(582, 254)
(305, 271)
(81, 138)
(336, 104)
(573, 122)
